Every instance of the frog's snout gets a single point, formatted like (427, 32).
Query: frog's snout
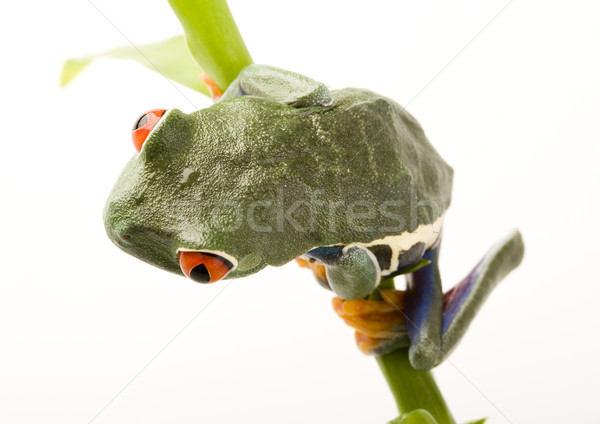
(204, 267)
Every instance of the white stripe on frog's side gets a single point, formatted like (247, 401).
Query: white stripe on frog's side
(424, 233)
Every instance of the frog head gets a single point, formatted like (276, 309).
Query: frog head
(174, 206)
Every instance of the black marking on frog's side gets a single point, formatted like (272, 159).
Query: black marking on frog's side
(409, 258)
(383, 253)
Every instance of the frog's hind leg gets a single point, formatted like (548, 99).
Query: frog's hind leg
(462, 303)
(423, 308)
(436, 322)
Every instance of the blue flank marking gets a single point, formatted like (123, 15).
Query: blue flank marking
(326, 254)
(458, 296)
(423, 293)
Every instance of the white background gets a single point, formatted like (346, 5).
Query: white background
(515, 113)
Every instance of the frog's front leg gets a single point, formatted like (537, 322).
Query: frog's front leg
(351, 271)
(380, 324)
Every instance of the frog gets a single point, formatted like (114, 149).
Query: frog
(283, 167)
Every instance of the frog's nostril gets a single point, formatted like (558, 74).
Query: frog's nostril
(204, 267)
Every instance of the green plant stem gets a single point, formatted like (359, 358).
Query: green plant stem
(213, 38)
(412, 389)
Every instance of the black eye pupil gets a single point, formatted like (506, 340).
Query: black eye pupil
(143, 121)
(200, 274)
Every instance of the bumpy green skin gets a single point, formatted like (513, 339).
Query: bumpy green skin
(266, 181)
(280, 86)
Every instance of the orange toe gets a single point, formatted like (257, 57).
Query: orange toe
(366, 344)
(317, 268)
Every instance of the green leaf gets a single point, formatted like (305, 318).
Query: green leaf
(481, 421)
(171, 58)
(213, 38)
(72, 68)
(418, 416)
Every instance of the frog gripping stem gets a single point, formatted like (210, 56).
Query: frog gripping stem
(277, 141)
(432, 323)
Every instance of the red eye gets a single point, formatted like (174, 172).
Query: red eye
(204, 267)
(144, 126)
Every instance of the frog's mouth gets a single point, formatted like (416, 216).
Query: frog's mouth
(205, 266)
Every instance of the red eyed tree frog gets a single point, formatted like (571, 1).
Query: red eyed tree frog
(282, 168)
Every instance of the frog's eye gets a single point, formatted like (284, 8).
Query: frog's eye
(204, 267)
(144, 126)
